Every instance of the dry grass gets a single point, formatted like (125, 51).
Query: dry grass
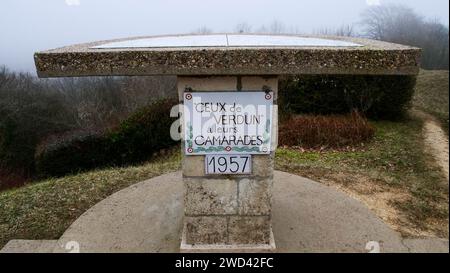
(45, 209)
(332, 131)
(392, 175)
(432, 95)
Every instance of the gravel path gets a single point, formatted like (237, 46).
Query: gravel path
(436, 143)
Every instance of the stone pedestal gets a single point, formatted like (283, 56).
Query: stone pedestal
(228, 213)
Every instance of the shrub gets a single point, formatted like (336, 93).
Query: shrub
(143, 133)
(136, 139)
(29, 112)
(380, 97)
(333, 131)
(11, 179)
(72, 152)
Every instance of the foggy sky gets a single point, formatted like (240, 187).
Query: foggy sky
(32, 25)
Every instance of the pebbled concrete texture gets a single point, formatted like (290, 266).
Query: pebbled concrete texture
(210, 196)
(307, 217)
(255, 196)
(206, 230)
(373, 57)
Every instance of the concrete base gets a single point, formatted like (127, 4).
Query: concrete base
(306, 217)
(188, 248)
(29, 246)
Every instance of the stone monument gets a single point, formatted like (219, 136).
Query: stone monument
(229, 141)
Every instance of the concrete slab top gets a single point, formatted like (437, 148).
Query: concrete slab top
(229, 54)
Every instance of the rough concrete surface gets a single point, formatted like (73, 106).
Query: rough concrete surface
(222, 248)
(249, 229)
(206, 230)
(29, 246)
(425, 245)
(307, 217)
(373, 57)
(210, 196)
(146, 217)
(255, 196)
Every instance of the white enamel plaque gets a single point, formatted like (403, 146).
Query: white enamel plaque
(227, 122)
(228, 164)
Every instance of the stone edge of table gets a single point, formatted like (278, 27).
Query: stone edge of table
(374, 57)
(221, 248)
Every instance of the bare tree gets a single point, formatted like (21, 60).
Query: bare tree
(400, 24)
(343, 30)
(203, 30)
(5, 76)
(391, 22)
(277, 27)
(32, 110)
(243, 28)
(262, 30)
(435, 43)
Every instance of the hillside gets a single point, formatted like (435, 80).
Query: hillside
(391, 175)
(432, 94)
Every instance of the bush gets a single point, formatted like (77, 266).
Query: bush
(136, 139)
(379, 97)
(29, 112)
(143, 133)
(32, 110)
(325, 131)
(22, 129)
(72, 152)
(9, 179)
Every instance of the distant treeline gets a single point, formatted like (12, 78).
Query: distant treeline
(390, 23)
(32, 110)
(59, 126)
(400, 24)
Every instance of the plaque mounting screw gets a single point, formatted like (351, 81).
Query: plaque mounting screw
(266, 89)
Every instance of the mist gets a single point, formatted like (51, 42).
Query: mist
(30, 26)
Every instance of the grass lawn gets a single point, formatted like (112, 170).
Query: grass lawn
(44, 210)
(432, 95)
(391, 175)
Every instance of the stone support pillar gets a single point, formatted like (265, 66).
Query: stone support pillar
(228, 212)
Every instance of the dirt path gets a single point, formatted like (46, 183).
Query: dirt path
(436, 142)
